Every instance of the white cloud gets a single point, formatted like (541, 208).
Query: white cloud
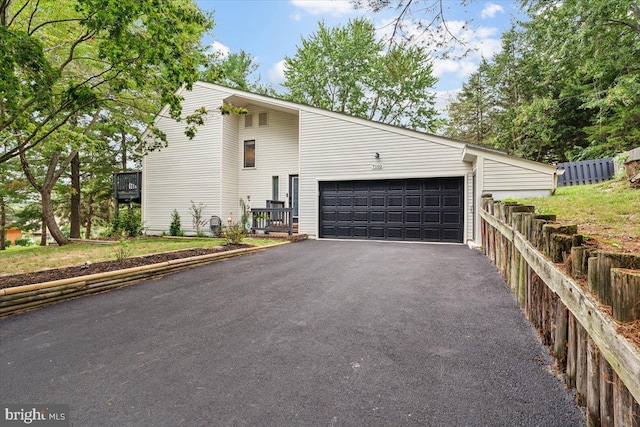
(442, 99)
(219, 48)
(463, 58)
(296, 16)
(490, 10)
(320, 7)
(459, 67)
(276, 73)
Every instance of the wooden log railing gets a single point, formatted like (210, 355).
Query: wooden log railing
(272, 220)
(567, 291)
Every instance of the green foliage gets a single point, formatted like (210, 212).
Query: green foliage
(234, 234)
(342, 69)
(123, 249)
(83, 55)
(174, 227)
(562, 88)
(235, 70)
(128, 222)
(7, 243)
(23, 242)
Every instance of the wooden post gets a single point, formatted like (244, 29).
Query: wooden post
(592, 275)
(570, 377)
(559, 348)
(560, 247)
(625, 293)
(581, 365)
(606, 393)
(622, 404)
(593, 384)
(607, 261)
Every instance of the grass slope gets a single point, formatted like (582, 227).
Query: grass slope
(608, 212)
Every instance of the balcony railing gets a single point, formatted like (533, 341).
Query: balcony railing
(127, 186)
(272, 219)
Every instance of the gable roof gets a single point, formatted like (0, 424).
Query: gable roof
(469, 152)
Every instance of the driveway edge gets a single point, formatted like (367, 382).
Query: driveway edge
(20, 298)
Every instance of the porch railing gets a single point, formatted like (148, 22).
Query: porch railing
(272, 219)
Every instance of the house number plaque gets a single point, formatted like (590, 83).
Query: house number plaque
(377, 166)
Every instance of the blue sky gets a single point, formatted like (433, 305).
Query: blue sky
(269, 30)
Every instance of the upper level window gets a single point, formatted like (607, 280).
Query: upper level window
(250, 153)
(248, 120)
(262, 119)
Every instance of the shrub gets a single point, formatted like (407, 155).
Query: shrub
(174, 228)
(234, 234)
(23, 242)
(7, 243)
(123, 250)
(128, 223)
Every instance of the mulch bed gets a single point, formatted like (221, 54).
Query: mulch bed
(102, 267)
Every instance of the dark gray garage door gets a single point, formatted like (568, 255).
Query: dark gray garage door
(430, 209)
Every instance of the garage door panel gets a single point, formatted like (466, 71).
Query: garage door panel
(394, 232)
(377, 216)
(378, 201)
(328, 201)
(431, 201)
(451, 218)
(413, 233)
(451, 201)
(395, 217)
(451, 184)
(412, 200)
(344, 216)
(394, 200)
(328, 216)
(431, 217)
(413, 217)
(360, 231)
(429, 209)
(345, 201)
(376, 232)
(360, 201)
(360, 216)
(431, 234)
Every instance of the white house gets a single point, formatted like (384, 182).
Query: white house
(345, 177)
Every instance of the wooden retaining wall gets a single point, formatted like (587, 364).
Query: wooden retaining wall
(578, 299)
(20, 298)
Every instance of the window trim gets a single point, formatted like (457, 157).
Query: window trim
(244, 153)
(266, 115)
(247, 116)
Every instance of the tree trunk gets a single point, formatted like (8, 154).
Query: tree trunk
(43, 238)
(49, 217)
(123, 146)
(75, 197)
(3, 224)
(87, 233)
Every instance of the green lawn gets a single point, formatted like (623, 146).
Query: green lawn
(33, 258)
(608, 212)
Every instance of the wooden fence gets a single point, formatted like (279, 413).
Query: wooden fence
(586, 172)
(579, 299)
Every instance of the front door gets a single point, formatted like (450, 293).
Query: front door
(293, 196)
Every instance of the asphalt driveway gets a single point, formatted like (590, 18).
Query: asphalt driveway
(319, 333)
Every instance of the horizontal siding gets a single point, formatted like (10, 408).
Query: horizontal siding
(276, 155)
(334, 149)
(186, 170)
(503, 176)
(230, 165)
